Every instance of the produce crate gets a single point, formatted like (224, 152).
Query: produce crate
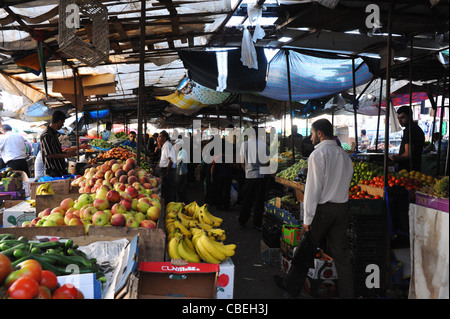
(289, 183)
(371, 190)
(282, 214)
(269, 255)
(367, 234)
(433, 202)
(271, 230)
(61, 186)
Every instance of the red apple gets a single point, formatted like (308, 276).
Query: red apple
(75, 222)
(147, 223)
(117, 186)
(126, 196)
(68, 217)
(113, 196)
(100, 218)
(88, 213)
(127, 167)
(132, 179)
(111, 162)
(126, 203)
(119, 173)
(67, 203)
(118, 208)
(34, 221)
(132, 222)
(118, 220)
(58, 210)
(45, 212)
(113, 181)
(132, 191)
(101, 192)
(101, 204)
(99, 175)
(105, 168)
(155, 196)
(147, 186)
(132, 173)
(144, 199)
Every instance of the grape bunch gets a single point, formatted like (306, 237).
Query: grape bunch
(440, 189)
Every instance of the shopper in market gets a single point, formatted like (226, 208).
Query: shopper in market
(167, 164)
(107, 134)
(221, 178)
(254, 188)
(36, 146)
(410, 154)
(13, 150)
(53, 155)
(182, 170)
(365, 142)
(326, 213)
(131, 140)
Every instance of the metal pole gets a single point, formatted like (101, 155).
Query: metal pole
(290, 103)
(97, 117)
(75, 71)
(141, 81)
(379, 114)
(388, 102)
(355, 101)
(411, 117)
(440, 128)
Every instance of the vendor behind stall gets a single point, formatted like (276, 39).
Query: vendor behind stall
(107, 135)
(131, 140)
(410, 152)
(52, 153)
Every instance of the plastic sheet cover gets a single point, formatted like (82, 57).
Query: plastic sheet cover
(311, 77)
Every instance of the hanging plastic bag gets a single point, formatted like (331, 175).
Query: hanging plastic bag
(248, 52)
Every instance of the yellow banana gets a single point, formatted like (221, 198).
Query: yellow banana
(185, 231)
(186, 253)
(204, 253)
(189, 244)
(32, 202)
(217, 221)
(204, 226)
(209, 246)
(228, 250)
(187, 221)
(173, 248)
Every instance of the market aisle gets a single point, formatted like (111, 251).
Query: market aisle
(253, 278)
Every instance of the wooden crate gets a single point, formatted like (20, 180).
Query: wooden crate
(61, 186)
(372, 190)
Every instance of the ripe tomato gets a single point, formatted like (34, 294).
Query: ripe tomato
(67, 291)
(23, 288)
(49, 280)
(28, 268)
(5, 267)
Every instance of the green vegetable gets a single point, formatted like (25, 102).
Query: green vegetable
(9, 252)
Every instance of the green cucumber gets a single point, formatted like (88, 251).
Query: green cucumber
(6, 236)
(9, 252)
(69, 260)
(49, 244)
(18, 261)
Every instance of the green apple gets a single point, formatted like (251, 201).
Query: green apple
(139, 216)
(49, 223)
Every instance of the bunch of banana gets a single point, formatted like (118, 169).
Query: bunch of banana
(181, 247)
(32, 202)
(210, 250)
(205, 217)
(173, 206)
(45, 189)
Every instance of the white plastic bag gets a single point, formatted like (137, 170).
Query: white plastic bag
(248, 51)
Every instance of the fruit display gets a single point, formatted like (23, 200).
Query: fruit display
(53, 256)
(365, 171)
(45, 189)
(356, 192)
(30, 280)
(193, 234)
(116, 171)
(294, 171)
(121, 135)
(440, 189)
(101, 144)
(117, 153)
(8, 172)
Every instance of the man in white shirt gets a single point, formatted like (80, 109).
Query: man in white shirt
(326, 211)
(13, 150)
(167, 164)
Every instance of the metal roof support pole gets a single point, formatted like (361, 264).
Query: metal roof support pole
(440, 126)
(411, 116)
(355, 101)
(141, 81)
(388, 103)
(75, 72)
(288, 68)
(379, 114)
(98, 120)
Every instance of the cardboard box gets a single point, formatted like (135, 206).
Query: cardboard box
(14, 195)
(291, 234)
(9, 184)
(16, 215)
(270, 256)
(162, 280)
(60, 186)
(225, 281)
(429, 201)
(89, 286)
(371, 190)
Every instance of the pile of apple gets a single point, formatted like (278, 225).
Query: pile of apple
(117, 204)
(113, 172)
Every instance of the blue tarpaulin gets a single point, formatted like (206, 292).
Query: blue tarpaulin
(311, 77)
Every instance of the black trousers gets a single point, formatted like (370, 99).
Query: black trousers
(168, 185)
(222, 188)
(331, 223)
(253, 195)
(181, 188)
(55, 172)
(19, 165)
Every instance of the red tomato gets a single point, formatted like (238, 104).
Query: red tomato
(5, 267)
(49, 280)
(44, 293)
(28, 268)
(67, 291)
(23, 288)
